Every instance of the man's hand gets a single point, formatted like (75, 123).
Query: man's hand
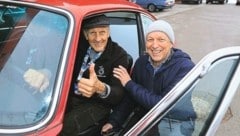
(36, 79)
(90, 86)
(122, 74)
(107, 129)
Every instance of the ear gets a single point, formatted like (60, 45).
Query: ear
(173, 44)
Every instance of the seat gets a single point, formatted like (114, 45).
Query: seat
(130, 63)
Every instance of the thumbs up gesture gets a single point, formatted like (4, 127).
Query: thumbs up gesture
(88, 87)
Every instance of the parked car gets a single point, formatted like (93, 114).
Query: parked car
(216, 1)
(192, 1)
(155, 5)
(47, 35)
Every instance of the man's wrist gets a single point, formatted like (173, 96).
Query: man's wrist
(99, 87)
(106, 91)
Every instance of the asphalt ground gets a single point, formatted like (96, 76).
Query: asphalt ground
(199, 29)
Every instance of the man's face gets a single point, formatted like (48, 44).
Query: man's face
(97, 37)
(158, 46)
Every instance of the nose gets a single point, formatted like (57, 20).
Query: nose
(98, 37)
(155, 43)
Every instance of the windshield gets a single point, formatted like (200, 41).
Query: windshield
(31, 42)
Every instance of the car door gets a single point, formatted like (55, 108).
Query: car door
(210, 85)
(42, 39)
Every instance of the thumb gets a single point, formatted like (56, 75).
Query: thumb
(92, 73)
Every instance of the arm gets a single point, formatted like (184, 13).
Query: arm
(119, 115)
(117, 90)
(171, 77)
(112, 91)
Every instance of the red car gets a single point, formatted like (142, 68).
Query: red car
(46, 34)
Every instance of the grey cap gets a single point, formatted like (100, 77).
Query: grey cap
(161, 26)
(95, 21)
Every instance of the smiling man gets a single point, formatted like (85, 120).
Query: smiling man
(153, 76)
(95, 91)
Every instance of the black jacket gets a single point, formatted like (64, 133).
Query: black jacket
(113, 56)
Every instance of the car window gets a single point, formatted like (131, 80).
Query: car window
(127, 31)
(145, 23)
(205, 94)
(124, 31)
(31, 40)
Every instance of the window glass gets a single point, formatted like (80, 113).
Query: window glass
(146, 21)
(124, 31)
(193, 111)
(31, 43)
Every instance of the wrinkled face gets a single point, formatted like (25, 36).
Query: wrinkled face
(158, 46)
(97, 37)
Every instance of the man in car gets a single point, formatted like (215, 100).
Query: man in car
(95, 91)
(153, 76)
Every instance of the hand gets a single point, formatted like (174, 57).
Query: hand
(90, 86)
(36, 79)
(122, 74)
(106, 129)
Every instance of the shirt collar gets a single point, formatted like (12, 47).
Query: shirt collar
(164, 61)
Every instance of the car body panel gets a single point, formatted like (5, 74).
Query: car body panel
(74, 12)
(192, 1)
(217, 1)
(158, 4)
(204, 75)
(125, 17)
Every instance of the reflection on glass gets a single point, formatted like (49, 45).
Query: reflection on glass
(202, 100)
(30, 50)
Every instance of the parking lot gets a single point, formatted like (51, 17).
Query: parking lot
(200, 29)
(178, 8)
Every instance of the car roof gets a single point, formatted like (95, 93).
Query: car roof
(89, 6)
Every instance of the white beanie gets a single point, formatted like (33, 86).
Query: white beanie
(162, 26)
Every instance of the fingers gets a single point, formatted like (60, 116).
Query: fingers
(118, 72)
(85, 86)
(90, 86)
(107, 128)
(122, 74)
(92, 74)
(121, 70)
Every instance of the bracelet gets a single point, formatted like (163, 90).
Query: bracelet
(106, 92)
